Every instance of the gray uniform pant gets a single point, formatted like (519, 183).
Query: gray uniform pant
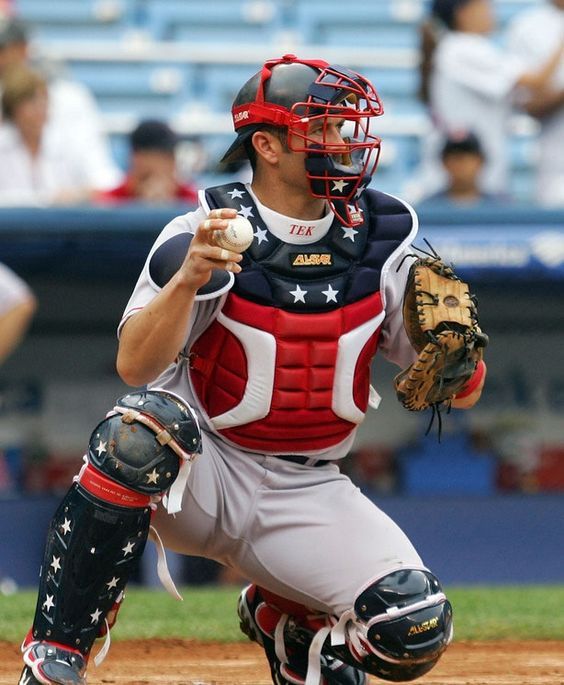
(306, 533)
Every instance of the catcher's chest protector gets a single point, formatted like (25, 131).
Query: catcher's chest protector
(294, 340)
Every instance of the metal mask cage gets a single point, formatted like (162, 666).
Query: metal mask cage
(338, 167)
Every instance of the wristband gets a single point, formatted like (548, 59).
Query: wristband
(473, 382)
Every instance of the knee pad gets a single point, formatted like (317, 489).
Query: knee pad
(143, 441)
(402, 624)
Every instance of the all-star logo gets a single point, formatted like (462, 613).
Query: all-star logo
(241, 116)
(316, 259)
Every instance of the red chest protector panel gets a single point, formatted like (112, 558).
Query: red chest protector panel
(259, 370)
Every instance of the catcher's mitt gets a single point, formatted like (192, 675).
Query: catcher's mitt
(441, 320)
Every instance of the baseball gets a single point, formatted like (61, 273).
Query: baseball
(237, 236)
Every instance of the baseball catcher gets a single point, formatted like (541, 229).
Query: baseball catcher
(441, 320)
(273, 349)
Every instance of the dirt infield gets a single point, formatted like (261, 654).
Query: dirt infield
(183, 662)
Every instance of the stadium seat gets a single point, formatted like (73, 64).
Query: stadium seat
(358, 23)
(505, 10)
(127, 86)
(226, 21)
(217, 84)
(56, 20)
(398, 89)
(448, 467)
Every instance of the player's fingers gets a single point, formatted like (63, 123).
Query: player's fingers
(210, 225)
(223, 255)
(223, 213)
(218, 218)
(227, 260)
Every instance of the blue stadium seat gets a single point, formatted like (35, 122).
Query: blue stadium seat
(217, 84)
(448, 467)
(505, 10)
(56, 20)
(356, 22)
(140, 87)
(226, 21)
(397, 87)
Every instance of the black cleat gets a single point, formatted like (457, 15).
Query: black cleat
(49, 664)
(294, 672)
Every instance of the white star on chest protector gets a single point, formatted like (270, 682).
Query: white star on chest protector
(299, 294)
(101, 447)
(56, 564)
(330, 294)
(260, 235)
(349, 232)
(246, 211)
(66, 526)
(96, 616)
(48, 603)
(235, 193)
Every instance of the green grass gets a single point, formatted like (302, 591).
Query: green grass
(508, 613)
(481, 613)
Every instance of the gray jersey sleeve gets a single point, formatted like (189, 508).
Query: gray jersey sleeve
(394, 343)
(165, 259)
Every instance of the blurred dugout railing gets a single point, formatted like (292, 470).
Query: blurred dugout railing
(184, 60)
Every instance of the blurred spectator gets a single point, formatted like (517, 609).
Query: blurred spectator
(463, 160)
(6, 7)
(152, 173)
(534, 35)
(37, 166)
(468, 81)
(17, 307)
(73, 111)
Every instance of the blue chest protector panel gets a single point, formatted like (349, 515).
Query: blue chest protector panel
(342, 267)
(339, 269)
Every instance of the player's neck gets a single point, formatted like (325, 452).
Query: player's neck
(288, 202)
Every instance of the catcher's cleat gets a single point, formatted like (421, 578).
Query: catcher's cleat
(27, 677)
(52, 664)
(258, 622)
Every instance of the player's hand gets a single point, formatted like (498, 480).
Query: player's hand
(204, 255)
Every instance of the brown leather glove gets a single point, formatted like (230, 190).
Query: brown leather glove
(441, 319)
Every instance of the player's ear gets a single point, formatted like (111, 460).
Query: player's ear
(267, 146)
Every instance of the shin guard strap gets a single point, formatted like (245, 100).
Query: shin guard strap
(108, 490)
